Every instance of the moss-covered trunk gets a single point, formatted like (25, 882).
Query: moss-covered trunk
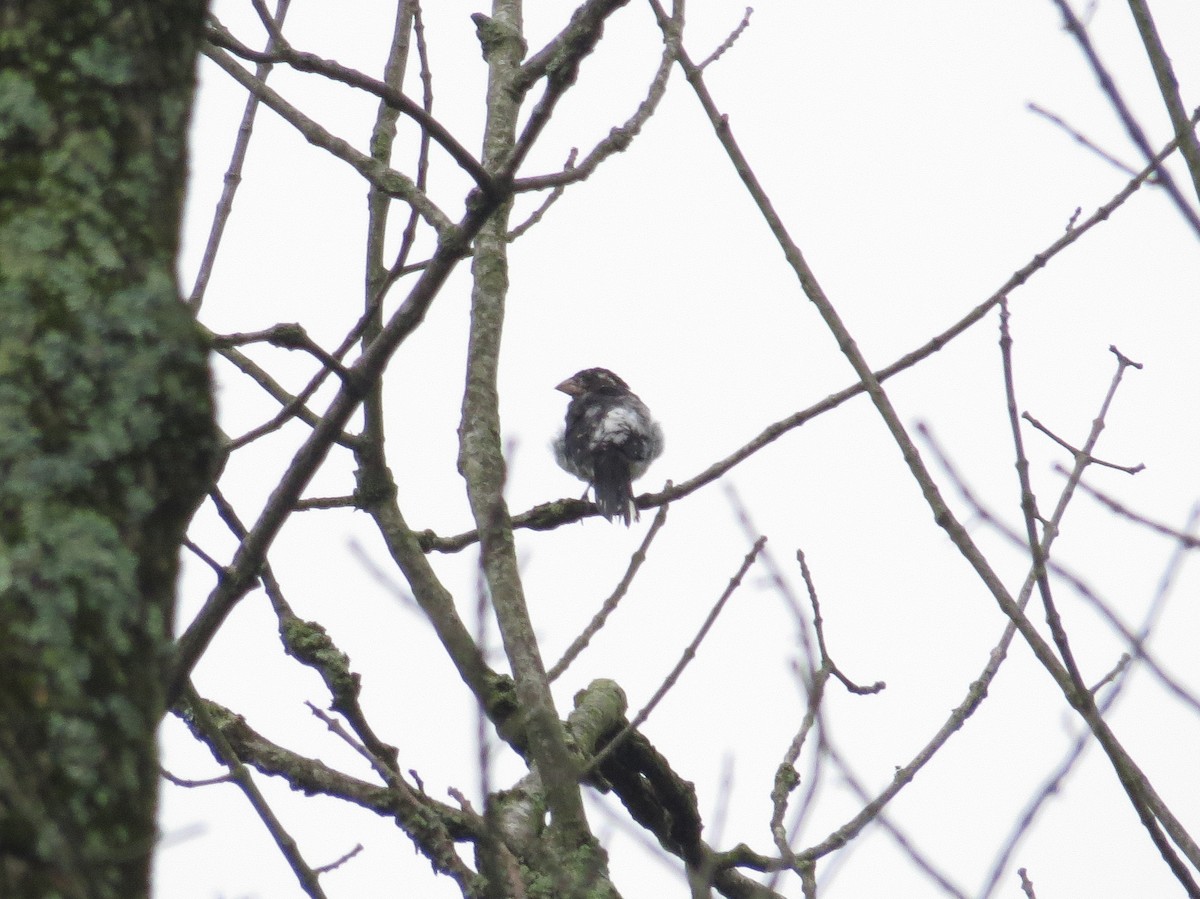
(106, 431)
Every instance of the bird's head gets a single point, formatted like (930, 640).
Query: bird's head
(592, 380)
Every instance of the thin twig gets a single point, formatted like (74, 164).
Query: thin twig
(1128, 469)
(1146, 803)
(290, 406)
(204, 557)
(310, 62)
(408, 236)
(1184, 539)
(1029, 511)
(580, 643)
(1132, 128)
(220, 747)
(286, 336)
(618, 139)
(1168, 86)
(819, 629)
(194, 784)
(685, 659)
(729, 41)
(387, 179)
(1026, 884)
(1082, 139)
(341, 860)
(233, 173)
(552, 198)
(390, 774)
(433, 826)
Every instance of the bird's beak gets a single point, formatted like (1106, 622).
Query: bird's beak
(570, 387)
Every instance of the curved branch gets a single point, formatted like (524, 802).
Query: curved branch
(335, 71)
(387, 179)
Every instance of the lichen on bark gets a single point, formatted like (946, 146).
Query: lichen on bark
(106, 430)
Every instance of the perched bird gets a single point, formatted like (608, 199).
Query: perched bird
(608, 440)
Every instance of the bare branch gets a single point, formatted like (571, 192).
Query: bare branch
(480, 457)
(408, 238)
(287, 336)
(291, 406)
(819, 629)
(1132, 128)
(619, 138)
(1155, 816)
(233, 174)
(193, 784)
(340, 860)
(685, 659)
(433, 826)
(310, 62)
(1082, 139)
(200, 719)
(1145, 801)
(383, 177)
(1168, 85)
(1120, 672)
(1185, 539)
(204, 557)
(537, 215)
(559, 58)
(1128, 469)
(1026, 884)
(729, 41)
(312, 453)
(580, 643)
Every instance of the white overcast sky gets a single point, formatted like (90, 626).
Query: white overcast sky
(895, 141)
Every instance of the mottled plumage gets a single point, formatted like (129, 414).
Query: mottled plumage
(608, 439)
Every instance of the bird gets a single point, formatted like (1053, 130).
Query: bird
(608, 439)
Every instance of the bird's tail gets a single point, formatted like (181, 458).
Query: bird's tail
(613, 487)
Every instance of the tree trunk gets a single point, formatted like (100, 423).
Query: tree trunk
(106, 431)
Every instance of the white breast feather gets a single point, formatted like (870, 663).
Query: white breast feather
(617, 423)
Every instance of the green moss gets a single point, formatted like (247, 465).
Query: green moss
(310, 643)
(106, 429)
(577, 873)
